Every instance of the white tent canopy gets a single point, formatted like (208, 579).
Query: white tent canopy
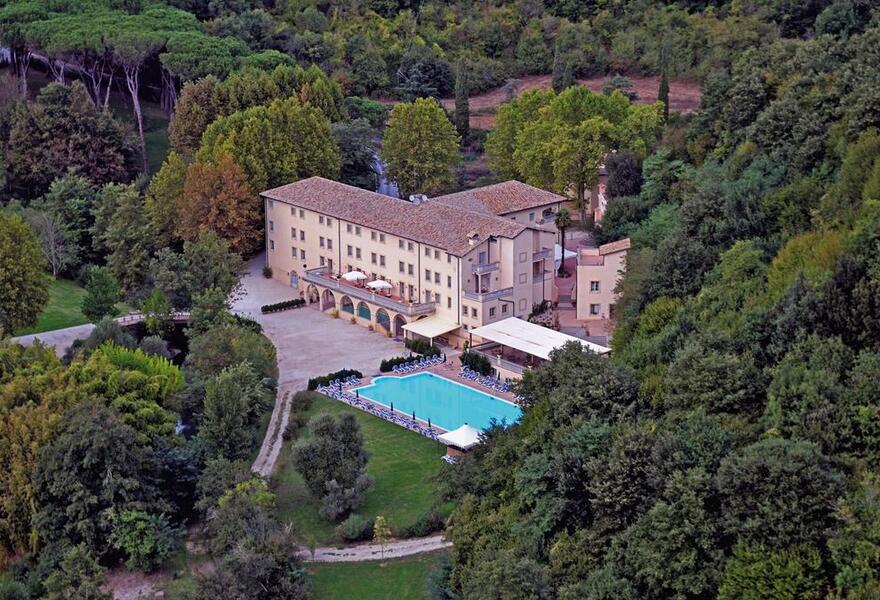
(465, 437)
(379, 284)
(559, 255)
(431, 327)
(354, 276)
(530, 338)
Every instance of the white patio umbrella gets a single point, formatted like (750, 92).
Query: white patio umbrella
(354, 276)
(379, 285)
(559, 255)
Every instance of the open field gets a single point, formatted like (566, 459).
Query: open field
(684, 96)
(401, 579)
(402, 464)
(64, 308)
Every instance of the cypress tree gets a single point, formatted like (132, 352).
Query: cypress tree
(663, 94)
(462, 105)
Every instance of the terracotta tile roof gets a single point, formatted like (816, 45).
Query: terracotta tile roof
(591, 260)
(617, 246)
(439, 225)
(501, 198)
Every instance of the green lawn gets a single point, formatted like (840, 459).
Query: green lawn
(64, 308)
(400, 579)
(402, 464)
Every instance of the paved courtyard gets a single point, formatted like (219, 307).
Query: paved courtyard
(309, 343)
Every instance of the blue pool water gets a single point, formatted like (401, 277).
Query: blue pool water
(446, 403)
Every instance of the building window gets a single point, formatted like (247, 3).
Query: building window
(321, 241)
(474, 312)
(293, 232)
(595, 309)
(292, 212)
(449, 302)
(293, 252)
(321, 258)
(302, 254)
(321, 219)
(409, 246)
(437, 278)
(464, 310)
(302, 235)
(522, 303)
(402, 267)
(531, 216)
(271, 204)
(449, 281)
(349, 251)
(357, 252)
(271, 225)
(594, 286)
(373, 257)
(427, 275)
(381, 260)
(492, 311)
(373, 235)
(448, 258)
(382, 238)
(302, 214)
(504, 309)
(330, 263)
(465, 327)
(523, 256)
(436, 255)
(348, 227)
(400, 244)
(436, 297)
(329, 244)
(410, 270)
(357, 231)
(271, 244)
(522, 277)
(329, 222)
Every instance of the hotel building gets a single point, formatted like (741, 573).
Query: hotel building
(450, 263)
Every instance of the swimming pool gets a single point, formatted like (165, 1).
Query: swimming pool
(446, 403)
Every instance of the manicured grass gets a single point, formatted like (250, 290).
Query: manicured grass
(400, 579)
(64, 308)
(402, 463)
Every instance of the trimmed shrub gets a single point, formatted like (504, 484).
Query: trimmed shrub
(476, 361)
(355, 529)
(428, 522)
(422, 347)
(388, 364)
(326, 379)
(279, 306)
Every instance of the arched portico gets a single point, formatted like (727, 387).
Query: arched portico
(312, 294)
(346, 305)
(363, 311)
(399, 322)
(328, 300)
(383, 320)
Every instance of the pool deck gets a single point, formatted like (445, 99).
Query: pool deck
(448, 370)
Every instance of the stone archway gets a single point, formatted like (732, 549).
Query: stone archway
(312, 294)
(363, 311)
(328, 300)
(383, 320)
(399, 322)
(346, 305)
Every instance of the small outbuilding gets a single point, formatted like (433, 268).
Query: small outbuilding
(458, 441)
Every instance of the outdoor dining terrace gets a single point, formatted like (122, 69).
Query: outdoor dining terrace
(358, 289)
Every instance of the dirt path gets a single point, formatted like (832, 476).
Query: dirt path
(274, 440)
(365, 552)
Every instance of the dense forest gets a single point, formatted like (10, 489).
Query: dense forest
(729, 447)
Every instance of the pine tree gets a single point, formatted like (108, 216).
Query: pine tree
(102, 294)
(462, 106)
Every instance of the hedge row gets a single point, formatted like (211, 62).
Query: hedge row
(326, 379)
(278, 306)
(476, 361)
(388, 364)
(422, 347)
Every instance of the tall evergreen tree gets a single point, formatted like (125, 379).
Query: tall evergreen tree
(462, 105)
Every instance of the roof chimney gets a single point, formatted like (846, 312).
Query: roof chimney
(418, 198)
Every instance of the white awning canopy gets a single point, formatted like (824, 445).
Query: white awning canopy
(379, 284)
(431, 327)
(354, 276)
(560, 254)
(465, 437)
(530, 338)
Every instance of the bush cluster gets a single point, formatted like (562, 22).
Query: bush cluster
(388, 364)
(476, 361)
(355, 528)
(279, 306)
(422, 347)
(326, 379)
(432, 520)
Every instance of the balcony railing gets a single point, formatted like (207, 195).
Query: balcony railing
(485, 267)
(542, 254)
(320, 276)
(488, 296)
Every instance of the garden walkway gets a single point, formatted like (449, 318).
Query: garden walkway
(364, 552)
